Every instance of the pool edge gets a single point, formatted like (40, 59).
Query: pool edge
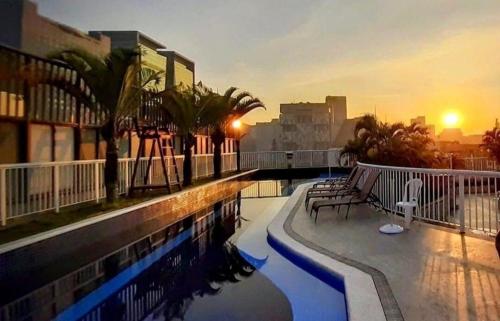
(362, 286)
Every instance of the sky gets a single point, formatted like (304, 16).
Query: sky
(400, 58)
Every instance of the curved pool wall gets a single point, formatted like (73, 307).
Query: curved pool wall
(312, 293)
(361, 296)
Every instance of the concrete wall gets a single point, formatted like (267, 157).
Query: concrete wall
(87, 146)
(23, 28)
(263, 137)
(9, 143)
(41, 143)
(64, 144)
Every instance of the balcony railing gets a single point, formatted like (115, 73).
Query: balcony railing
(480, 164)
(296, 159)
(38, 187)
(21, 98)
(468, 200)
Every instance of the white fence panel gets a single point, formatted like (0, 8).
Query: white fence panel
(299, 159)
(466, 199)
(37, 187)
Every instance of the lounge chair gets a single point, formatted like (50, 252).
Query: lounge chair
(337, 190)
(364, 196)
(355, 174)
(336, 180)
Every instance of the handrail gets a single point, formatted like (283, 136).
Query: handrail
(467, 199)
(90, 161)
(435, 170)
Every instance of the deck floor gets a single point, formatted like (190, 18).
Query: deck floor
(435, 273)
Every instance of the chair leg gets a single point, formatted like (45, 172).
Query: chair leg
(347, 213)
(316, 217)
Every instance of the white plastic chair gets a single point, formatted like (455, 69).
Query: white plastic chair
(410, 199)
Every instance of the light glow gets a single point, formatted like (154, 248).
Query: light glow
(236, 124)
(451, 120)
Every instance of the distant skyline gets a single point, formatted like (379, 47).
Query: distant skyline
(404, 58)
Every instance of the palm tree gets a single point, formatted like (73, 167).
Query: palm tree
(391, 144)
(491, 141)
(115, 84)
(189, 110)
(225, 109)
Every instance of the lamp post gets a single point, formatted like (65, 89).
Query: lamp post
(236, 126)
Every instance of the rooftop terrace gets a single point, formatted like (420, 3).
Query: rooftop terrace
(433, 273)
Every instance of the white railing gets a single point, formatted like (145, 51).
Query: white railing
(295, 159)
(37, 187)
(264, 160)
(480, 164)
(469, 200)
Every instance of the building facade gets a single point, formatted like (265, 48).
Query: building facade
(180, 70)
(150, 57)
(312, 125)
(303, 126)
(43, 123)
(263, 136)
(24, 29)
(420, 120)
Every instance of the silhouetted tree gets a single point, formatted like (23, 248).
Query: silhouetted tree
(491, 142)
(391, 144)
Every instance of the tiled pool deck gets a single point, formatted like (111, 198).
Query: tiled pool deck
(434, 273)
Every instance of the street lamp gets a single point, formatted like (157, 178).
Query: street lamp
(236, 126)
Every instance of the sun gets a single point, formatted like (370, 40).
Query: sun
(451, 119)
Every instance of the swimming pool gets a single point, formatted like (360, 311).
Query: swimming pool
(214, 265)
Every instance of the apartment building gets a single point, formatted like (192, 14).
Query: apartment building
(312, 125)
(303, 126)
(39, 124)
(25, 29)
(180, 70)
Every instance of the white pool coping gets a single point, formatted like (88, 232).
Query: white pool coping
(363, 302)
(32, 239)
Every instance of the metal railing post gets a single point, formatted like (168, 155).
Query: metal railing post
(3, 196)
(461, 203)
(96, 181)
(56, 188)
(125, 176)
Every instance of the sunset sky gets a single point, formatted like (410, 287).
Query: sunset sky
(406, 58)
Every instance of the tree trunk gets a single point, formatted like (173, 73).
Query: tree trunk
(217, 161)
(111, 170)
(187, 169)
(238, 156)
(218, 138)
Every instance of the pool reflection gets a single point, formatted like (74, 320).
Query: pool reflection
(188, 271)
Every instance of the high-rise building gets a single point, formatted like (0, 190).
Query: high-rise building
(303, 126)
(180, 70)
(312, 125)
(23, 28)
(150, 57)
(45, 124)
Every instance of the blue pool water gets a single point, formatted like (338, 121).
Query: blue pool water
(216, 265)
